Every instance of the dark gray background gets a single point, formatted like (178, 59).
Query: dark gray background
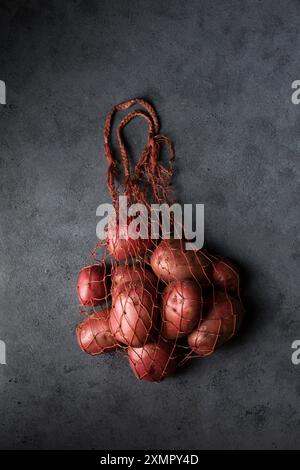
(220, 74)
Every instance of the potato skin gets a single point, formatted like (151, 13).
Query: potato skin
(226, 275)
(125, 248)
(182, 308)
(170, 261)
(94, 336)
(132, 274)
(220, 324)
(134, 313)
(154, 361)
(92, 284)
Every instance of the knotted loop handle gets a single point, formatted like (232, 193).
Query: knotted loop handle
(113, 170)
(155, 173)
(126, 120)
(148, 166)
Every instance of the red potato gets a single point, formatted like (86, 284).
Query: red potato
(134, 313)
(94, 335)
(221, 323)
(171, 261)
(226, 275)
(182, 308)
(122, 274)
(122, 247)
(92, 284)
(154, 361)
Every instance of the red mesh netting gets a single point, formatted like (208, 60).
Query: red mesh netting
(151, 298)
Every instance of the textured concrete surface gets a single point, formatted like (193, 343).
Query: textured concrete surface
(220, 74)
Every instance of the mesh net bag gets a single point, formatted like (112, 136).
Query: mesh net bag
(150, 297)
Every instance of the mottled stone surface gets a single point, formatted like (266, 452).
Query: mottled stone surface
(220, 74)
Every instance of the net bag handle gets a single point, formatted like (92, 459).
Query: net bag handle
(148, 166)
(113, 170)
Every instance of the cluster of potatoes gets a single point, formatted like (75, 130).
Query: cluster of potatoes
(161, 309)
